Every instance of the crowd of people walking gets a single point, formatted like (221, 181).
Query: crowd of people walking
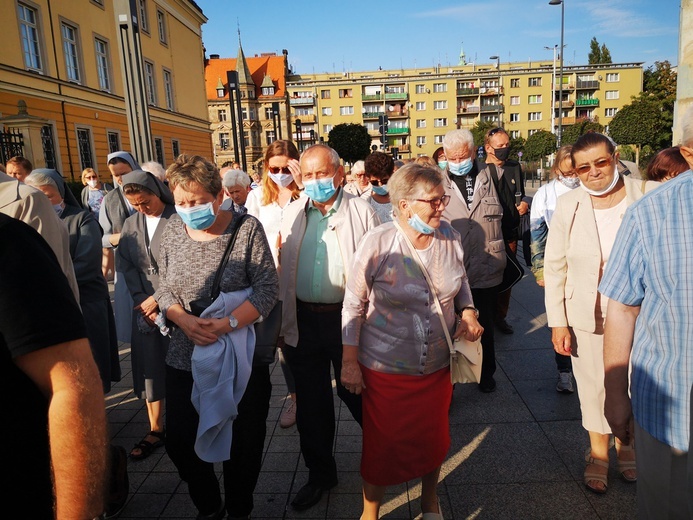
(372, 279)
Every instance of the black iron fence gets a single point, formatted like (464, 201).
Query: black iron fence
(11, 144)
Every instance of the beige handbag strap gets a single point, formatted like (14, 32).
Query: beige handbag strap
(439, 308)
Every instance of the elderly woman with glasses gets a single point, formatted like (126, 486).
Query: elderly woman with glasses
(359, 184)
(582, 233)
(395, 351)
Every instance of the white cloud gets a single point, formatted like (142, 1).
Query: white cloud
(621, 19)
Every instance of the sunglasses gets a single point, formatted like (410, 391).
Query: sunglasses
(495, 131)
(435, 203)
(377, 182)
(599, 164)
(274, 169)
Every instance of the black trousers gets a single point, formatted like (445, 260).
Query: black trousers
(242, 469)
(485, 300)
(319, 347)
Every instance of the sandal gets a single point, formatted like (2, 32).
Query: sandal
(627, 465)
(592, 473)
(145, 447)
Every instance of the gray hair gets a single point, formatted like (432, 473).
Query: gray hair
(154, 168)
(332, 153)
(456, 139)
(235, 178)
(687, 127)
(358, 168)
(411, 179)
(37, 179)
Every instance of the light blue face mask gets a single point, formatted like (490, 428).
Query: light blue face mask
(419, 225)
(442, 164)
(460, 168)
(380, 190)
(58, 208)
(198, 217)
(320, 190)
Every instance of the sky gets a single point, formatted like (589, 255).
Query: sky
(326, 36)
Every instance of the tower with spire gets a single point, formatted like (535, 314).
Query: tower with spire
(463, 57)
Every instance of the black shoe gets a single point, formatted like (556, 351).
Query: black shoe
(308, 496)
(487, 385)
(504, 327)
(119, 484)
(216, 515)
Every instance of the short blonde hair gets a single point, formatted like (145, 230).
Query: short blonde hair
(86, 171)
(411, 179)
(562, 154)
(188, 169)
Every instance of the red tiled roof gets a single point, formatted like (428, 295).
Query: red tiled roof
(259, 66)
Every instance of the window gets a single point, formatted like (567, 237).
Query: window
(514, 82)
(533, 131)
(535, 99)
(420, 140)
(29, 30)
(420, 105)
(269, 114)
(299, 111)
(85, 147)
(244, 113)
(159, 150)
(324, 94)
(175, 146)
(113, 139)
(490, 118)
(440, 105)
(48, 145)
(611, 94)
(144, 21)
(222, 115)
(534, 82)
(440, 122)
(514, 118)
(327, 111)
(514, 134)
(420, 89)
(71, 51)
(610, 112)
(168, 89)
(438, 139)
(346, 111)
(326, 129)
(420, 123)
(270, 137)
(161, 24)
(224, 140)
(149, 82)
(534, 116)
(345, 93)
(245, 139)
(103, 66)
(612, 77)
(440, 87)
(268, 91)
(514, 100)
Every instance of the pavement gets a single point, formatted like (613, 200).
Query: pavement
(517, 453)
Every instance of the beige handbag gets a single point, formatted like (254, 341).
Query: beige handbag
(465, 356)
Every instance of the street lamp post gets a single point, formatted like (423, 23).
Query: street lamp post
(497, 58)
(232, 78)
(299, 129)
(220, 93)
(276, 120)
(560, 84)
(553, 89)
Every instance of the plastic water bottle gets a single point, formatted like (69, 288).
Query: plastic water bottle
(160, 322)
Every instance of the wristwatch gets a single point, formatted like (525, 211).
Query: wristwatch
(476, 311)
(233, 322)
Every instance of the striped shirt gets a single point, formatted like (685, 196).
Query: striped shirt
(651, 266)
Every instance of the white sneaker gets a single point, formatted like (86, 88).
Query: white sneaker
(565, 383)
(288, 416)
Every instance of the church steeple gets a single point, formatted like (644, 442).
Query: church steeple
(244, 76)
(463, 57)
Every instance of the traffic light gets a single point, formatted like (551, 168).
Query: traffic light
(382, 120)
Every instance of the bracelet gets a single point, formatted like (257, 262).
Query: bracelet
(469, 307)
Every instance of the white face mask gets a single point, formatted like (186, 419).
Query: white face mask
(92, 183)
(605, 191)
(281, 179)
(569, 182)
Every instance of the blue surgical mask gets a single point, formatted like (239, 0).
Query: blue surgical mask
(380, 190)
(320, 190)
(460, 168)
(58, 208)
(198, 217)
(442, 164)
(419, 225)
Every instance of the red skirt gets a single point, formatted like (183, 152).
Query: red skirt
(406, 431)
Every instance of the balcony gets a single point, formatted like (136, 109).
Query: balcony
(592, 102)
(302, 101)
(566, 85)
(566, 121)
(591, 85)
(490, 91)
(395, 114)
(371, 97)
(468, 109)
(490, 109)
(468, 91)
(305, 119)
(566, 104)
(372, 115)
(374, 133)
(396, 95)
(404, 148)
(394, 131)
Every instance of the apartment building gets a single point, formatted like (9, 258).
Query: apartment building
(423, 104)
(63, 91)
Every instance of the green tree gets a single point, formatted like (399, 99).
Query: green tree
(641, 124)
(595, 52)
(605, 55)
(479, 131)
(581, 126)
(539, 145)
(517, 145)
(351, 141)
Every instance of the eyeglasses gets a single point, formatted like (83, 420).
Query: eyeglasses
(435, 203)
(274, 169)
(92, 177)
(381, 182)
(599, 164)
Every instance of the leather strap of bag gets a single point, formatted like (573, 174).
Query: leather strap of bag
(439, 308)
(225, 259)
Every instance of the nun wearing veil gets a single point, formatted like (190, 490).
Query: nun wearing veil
(86, 253)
